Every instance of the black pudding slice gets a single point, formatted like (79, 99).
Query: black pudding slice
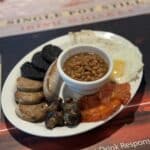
(39, 62)
(29, 71)
(51, 52)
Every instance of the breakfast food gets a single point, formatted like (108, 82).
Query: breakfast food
(32, 113)
(31, 104)
(29, 98)
(34, 106)
(105, 102)
(127, 64)
(39, 62)
(52, 82)
(126, 57)
(28, 85)
(54, 119)
(71, 111)
(85, 66)
(62, 113)
(29, 71)
(55, 104)
(51, 52)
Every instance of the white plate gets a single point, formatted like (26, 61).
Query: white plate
(39, 129)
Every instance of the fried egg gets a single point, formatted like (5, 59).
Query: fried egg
(127, 62)
(127, 58)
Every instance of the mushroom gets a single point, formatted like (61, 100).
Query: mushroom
(54, 119)
(72, 114)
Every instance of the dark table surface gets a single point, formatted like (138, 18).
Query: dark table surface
(135, 29)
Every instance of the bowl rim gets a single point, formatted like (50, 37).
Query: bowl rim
(62, 73)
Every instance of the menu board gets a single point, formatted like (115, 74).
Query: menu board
(18, 17)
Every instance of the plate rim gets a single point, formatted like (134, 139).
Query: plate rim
(31, 54)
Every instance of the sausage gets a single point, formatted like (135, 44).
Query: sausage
(32, 113)
(29, 98)
(28, 85)
(52, 82)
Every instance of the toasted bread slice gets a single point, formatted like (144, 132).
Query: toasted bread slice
(29, 98)
(28, 85)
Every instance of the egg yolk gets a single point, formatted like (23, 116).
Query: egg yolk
(118, 69)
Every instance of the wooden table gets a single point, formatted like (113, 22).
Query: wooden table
(130, 128)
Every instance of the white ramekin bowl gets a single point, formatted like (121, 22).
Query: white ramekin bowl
(83, 87)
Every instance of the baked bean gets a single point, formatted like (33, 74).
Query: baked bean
(85, 67)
